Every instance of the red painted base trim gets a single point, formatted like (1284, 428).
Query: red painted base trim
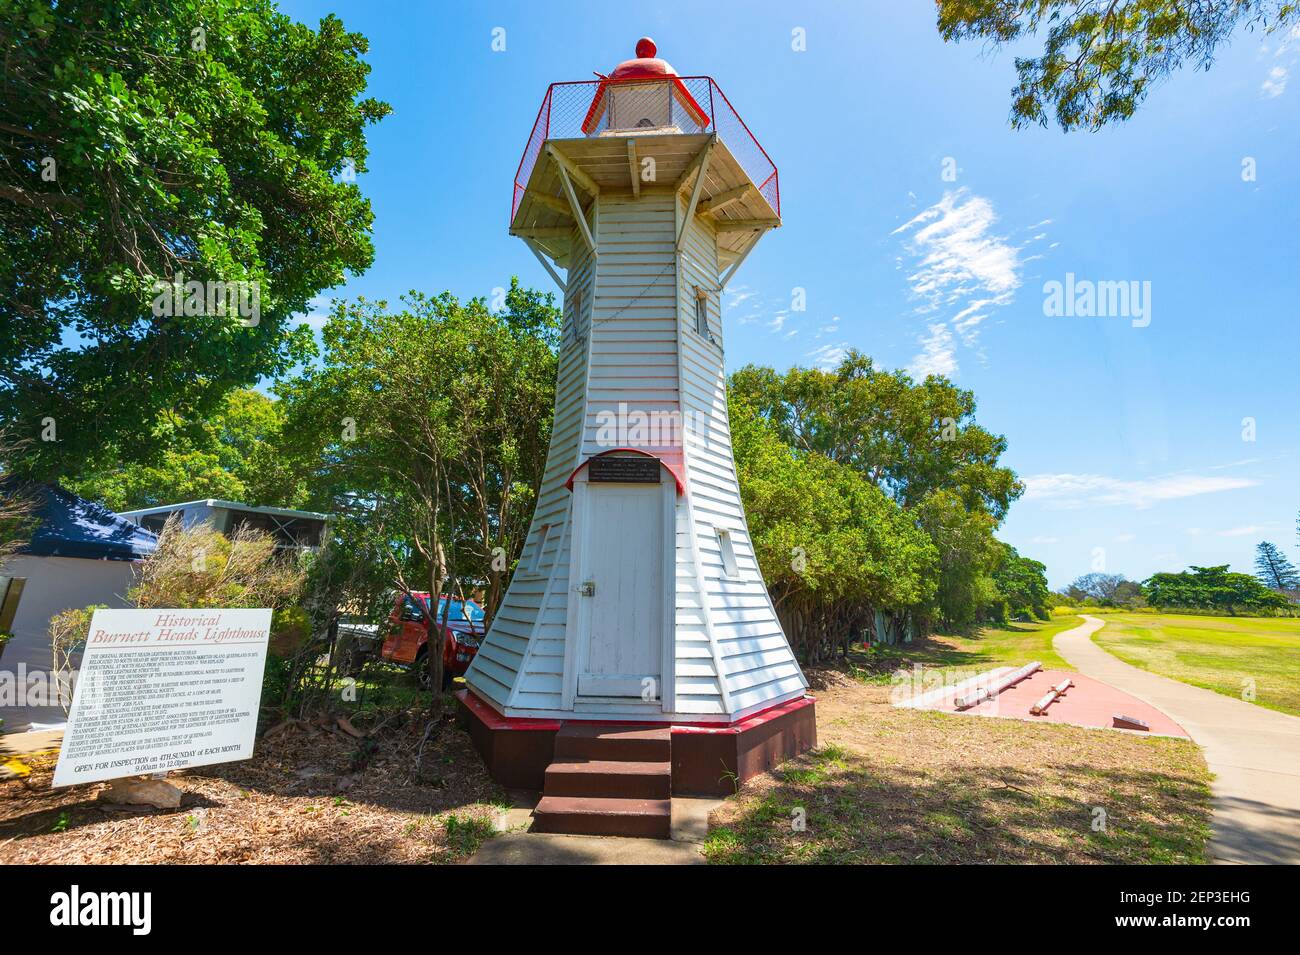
(496, 721)
(749, 722)
(709, 759)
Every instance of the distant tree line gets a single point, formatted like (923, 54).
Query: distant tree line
(1103, 590)
(1274, 589)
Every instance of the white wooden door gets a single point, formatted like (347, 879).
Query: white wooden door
(623, 586)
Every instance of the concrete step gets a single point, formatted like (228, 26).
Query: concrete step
(612, 742)
(626, 779)
(593, 816)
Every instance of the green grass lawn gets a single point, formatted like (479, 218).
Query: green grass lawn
(893, 785)
(1012, 645)
(1217, 653)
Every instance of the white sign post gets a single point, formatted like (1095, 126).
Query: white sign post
(164, 689)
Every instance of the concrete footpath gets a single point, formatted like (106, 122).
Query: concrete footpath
(1254, 753)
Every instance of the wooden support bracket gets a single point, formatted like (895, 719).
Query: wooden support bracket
(541, 257)
(700, 166)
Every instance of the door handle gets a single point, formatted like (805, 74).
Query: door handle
(588, 588)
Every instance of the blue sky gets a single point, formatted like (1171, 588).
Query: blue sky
(1131, 431)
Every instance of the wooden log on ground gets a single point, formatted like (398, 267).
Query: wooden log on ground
(1050, 697)
(988, 692)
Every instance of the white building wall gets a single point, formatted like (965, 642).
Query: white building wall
(55, 584)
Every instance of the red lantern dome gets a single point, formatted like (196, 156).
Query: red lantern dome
(645, 69)
(646, 65)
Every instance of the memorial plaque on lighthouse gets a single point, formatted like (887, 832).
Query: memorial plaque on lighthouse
(623, 470)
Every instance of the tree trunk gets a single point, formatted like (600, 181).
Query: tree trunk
(435, 639)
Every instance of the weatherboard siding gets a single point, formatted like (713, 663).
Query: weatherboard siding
(630, 342)
(755, 661)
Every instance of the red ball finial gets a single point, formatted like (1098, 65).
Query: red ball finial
(645, 48)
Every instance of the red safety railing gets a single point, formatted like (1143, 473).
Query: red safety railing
(693, 104)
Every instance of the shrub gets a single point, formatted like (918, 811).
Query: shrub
(197, 567)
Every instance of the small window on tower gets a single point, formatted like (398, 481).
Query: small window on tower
(535, 566)
(729, 567)
(702, 311)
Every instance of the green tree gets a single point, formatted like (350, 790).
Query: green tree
(148, 141)
(1098, 588)
(1101, 58)
(1212, 588)
(1273, 569)
(833, 548)
(911, 438)
(1129, 594)
(1022, 584)
(234, 455)
(425, 432)
(919, 443)
(968, 555)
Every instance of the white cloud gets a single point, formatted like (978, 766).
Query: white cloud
(778, 321)
(1043, 540)
(1084, 490)
(955, 250)
(830, 328)
(738, 295)
(1246, 530)
(828, 356)
(1125, 538)
(1274, 84)
(958, 263)
(938, 354)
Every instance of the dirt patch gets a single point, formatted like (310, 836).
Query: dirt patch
(309, 795)
(891, 785)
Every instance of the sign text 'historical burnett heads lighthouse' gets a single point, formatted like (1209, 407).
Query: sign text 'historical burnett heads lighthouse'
(637, 621)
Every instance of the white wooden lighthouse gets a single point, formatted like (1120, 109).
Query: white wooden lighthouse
(637, 597)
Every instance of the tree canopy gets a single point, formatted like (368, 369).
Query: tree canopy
(831, 545)
(1212, 588)
(1101, 58)
(146, 142)
(233, 455)
(911, 438)
(932, 471)
(425, 431)
(1022, 583)
(919, 444)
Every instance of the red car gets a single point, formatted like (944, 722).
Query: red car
(408, 634)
